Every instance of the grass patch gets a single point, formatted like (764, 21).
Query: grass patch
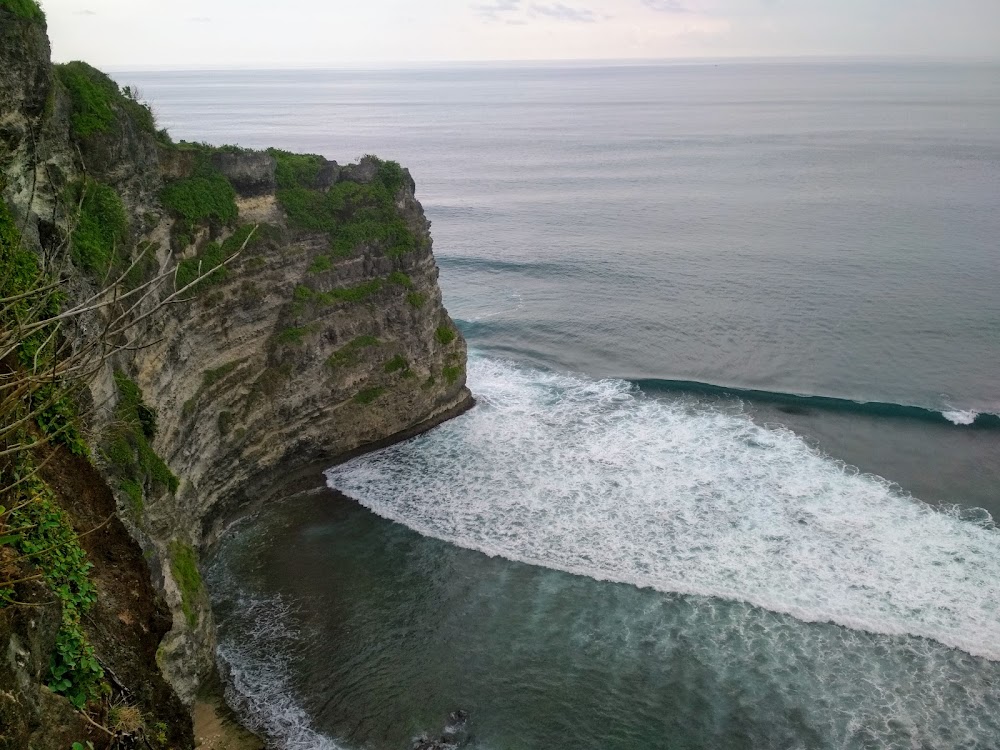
(320, 264)
(357, 293)
(27, 10)
(452, 373)
(295, 336)
(184, 567)
(396, 364)
(211, 377)
(445, 335)
(400, 278)
(416, 299)
(134, 491)
(100, 237)
(368, 395)
(348, 354)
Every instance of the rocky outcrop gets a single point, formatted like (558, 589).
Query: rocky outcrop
(309, 347)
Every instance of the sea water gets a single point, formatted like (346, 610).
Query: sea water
(731, 478)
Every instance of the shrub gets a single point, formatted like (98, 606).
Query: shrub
(207, 263)
(390, 175)
(444, 334)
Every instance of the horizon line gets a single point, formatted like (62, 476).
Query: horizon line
(574, 61)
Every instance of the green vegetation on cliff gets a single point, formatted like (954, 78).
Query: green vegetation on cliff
(97, 100)
(357, 293)
(209, 261)
(206, 197)
(348, 354)
(352, 214)
(100, 237)
(30, 521)
(396, 364)
(445, 334)
(127, 447)
(44, 536)
(28, 10)
(184, 567)
(368, 395)
(296, 170)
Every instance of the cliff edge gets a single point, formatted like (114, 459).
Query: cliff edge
(310, 326)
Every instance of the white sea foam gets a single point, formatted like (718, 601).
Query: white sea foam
(960, 417)
(259, 677)
(593, 478)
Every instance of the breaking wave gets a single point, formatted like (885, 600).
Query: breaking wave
(596, 478)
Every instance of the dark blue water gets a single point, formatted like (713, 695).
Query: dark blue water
(735, 335)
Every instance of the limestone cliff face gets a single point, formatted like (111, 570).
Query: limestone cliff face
(282, 366)
(307, 348)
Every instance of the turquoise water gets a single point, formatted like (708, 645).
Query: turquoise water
(731, 479)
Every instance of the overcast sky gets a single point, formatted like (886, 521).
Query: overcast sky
(292, 33)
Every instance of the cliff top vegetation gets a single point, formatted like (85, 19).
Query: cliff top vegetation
(29, 10)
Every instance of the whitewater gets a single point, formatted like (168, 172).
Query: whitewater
(595, 478)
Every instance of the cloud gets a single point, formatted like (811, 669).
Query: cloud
(667, 6)
(200, 19)
(85, 12)
(494, 10)
(562, 12)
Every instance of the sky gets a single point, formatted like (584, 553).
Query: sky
(142, 34)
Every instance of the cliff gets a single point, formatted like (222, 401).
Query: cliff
(315, 330)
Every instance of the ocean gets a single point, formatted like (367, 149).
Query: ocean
(731, 481)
